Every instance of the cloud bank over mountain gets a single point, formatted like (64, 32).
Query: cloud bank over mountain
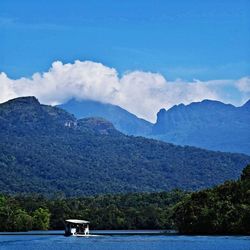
(142, 93)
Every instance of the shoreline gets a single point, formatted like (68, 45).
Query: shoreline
(117, 233)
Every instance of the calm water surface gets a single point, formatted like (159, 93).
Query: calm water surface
(136, 242)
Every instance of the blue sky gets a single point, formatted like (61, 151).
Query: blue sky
(180, 39)
(142, 55)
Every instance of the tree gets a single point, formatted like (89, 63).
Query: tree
(5, 213)
(246, 173)
(22, 221)
(41, 219)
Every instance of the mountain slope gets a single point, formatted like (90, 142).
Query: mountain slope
(122, 119)
(207, 124)
(46, 150)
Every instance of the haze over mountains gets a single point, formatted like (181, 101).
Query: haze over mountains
(123, 120)
(208, 124)
(45, 149)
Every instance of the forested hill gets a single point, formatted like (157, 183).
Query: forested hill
(224, 209)
(46, 150)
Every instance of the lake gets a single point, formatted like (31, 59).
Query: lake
(124, 242)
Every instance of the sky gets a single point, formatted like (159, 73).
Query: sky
(142, 55)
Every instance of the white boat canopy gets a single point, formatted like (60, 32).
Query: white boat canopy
(74, 221)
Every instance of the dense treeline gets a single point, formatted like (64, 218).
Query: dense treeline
(224, 209)
(13, 217)
(128, 211)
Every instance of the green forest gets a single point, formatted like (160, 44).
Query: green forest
(224, 209)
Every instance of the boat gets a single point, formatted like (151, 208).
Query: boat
(78, 228)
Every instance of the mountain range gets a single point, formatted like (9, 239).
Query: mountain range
(208, 124)
(44, 149)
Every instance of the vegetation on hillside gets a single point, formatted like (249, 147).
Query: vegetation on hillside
(46, 150)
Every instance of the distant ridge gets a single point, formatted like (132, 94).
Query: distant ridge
(246, 105)
(207, 124)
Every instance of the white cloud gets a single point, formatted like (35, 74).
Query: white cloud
(6, 89)
(244, 85)
(142, 93)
